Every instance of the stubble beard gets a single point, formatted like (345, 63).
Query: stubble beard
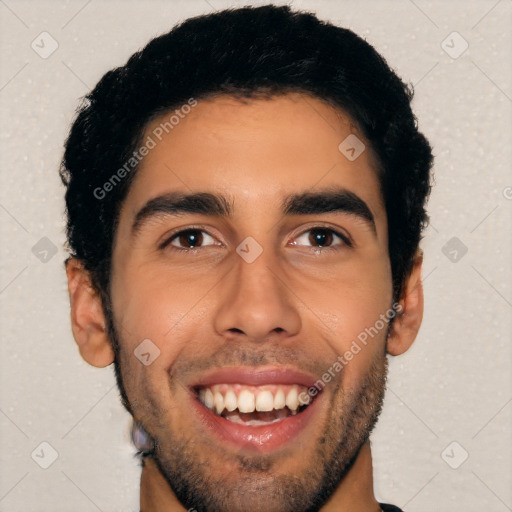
(189, 473)
(348, 427)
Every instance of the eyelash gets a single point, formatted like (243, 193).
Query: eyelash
(346, 241)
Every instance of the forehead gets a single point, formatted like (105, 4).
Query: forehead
(257, 151)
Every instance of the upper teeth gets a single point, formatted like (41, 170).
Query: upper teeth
(248, 399)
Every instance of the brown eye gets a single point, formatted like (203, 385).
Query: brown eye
(190, 239)
(320, 237)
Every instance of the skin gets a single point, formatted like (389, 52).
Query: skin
(296, 305)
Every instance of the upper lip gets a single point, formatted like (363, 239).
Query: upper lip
(255, 376)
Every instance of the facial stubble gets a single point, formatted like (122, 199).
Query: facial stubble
(254, 486)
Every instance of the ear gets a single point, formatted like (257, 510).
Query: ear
(87, 318)
(407, 323)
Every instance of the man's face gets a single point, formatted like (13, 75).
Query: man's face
(251, 307)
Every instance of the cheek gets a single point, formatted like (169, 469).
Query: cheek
(152, 306)
(154, 322)
(363, 335)
(354, 308)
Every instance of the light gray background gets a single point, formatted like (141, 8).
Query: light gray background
(453, 385)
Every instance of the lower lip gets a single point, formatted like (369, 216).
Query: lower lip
(261, 438)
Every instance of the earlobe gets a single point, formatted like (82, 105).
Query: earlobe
(407, 323)
(87, 317)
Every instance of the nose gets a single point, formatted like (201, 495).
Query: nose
(255, 302)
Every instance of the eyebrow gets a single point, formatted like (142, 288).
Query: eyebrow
(333, 200)
(337, 200)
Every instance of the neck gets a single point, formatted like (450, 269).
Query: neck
(354, 494)
(155, 493)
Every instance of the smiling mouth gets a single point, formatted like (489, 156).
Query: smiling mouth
(254, 405)
(251, 409)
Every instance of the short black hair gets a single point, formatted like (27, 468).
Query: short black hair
(247, 52)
